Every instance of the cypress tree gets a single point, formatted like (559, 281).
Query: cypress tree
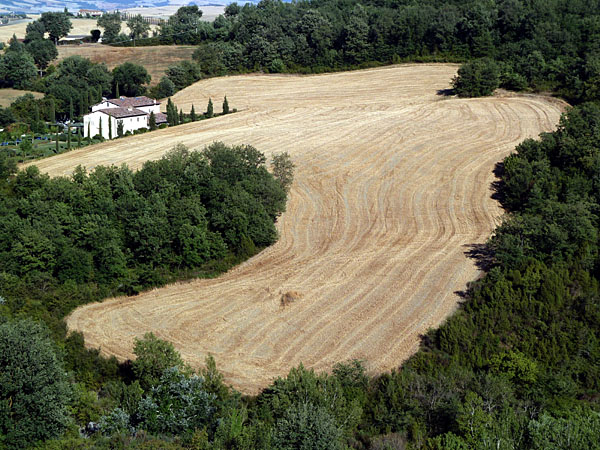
(78, 137)
(120, 128)
(100, 127)
(193, 113)
(109, 128)
(117, 95)
(225, 106)
(69, 137)
(57, 139)
(52, 112)
(171, 113)
(152, 121)
(209, 109)
(89, 136)
(71, 109)
(181, 115)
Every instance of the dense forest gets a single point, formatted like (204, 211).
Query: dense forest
(538, 44)
(517, 367)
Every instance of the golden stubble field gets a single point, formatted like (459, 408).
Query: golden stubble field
(80, 26)
(392, 187)
(155, 59)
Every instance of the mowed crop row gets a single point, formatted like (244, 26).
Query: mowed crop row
(392, 187)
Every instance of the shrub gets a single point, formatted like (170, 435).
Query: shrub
(476, 78)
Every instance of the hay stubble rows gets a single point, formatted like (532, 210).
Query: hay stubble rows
(392, 184)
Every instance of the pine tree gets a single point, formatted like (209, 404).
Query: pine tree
(193, 114)
(152, 121)
(209, 109)
(181, 116)
(225, 106)
(71, 109)
(109, 128)
(117, 95)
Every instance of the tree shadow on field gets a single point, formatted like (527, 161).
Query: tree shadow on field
(498, 185)
(446, 92)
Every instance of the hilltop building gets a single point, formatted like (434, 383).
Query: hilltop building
(90, 13)
(133, 112)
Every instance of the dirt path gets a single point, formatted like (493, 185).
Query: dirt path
(392, 186)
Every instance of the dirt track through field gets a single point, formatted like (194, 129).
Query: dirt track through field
(392, 186)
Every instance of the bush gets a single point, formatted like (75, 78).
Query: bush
(476, 78)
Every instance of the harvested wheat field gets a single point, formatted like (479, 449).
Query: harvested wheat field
(80, 27)
(392, 187)
(9, 95)
(155, 59)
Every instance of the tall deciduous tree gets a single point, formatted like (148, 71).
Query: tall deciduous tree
(138, 26)
(153, 356)
(131, 79)
(111, 22)
(34, 390)
(56, 24)
(43, 51)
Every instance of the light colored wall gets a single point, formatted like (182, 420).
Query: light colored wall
(129, 124)
(103, 105)
(151, 108)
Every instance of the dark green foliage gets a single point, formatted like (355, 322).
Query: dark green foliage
(209, 109)
(120, 125)
(153, 356)
(476, 78)
(16, 69)
(172, 117)
(111, 22)
(35, 31)
(306, 427)
(181, 117)
(131, 79)
(225, 106)
(165, 88)
(56, 24)
(193, 114)
(151, 121)
(42, 51)
(34, 392)
(183, 74)
(177, 404)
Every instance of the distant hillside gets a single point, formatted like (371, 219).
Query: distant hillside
(155, 59)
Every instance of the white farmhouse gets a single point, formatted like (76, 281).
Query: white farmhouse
(133, 112)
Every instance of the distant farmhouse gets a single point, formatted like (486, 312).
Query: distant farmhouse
(133, 112)
(90, 13)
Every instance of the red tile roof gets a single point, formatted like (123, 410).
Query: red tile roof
(120, 113)
(160, 118)
(134, 102)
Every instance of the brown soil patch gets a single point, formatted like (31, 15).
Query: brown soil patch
(392, 183)
(155, 59)
(9, 95)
